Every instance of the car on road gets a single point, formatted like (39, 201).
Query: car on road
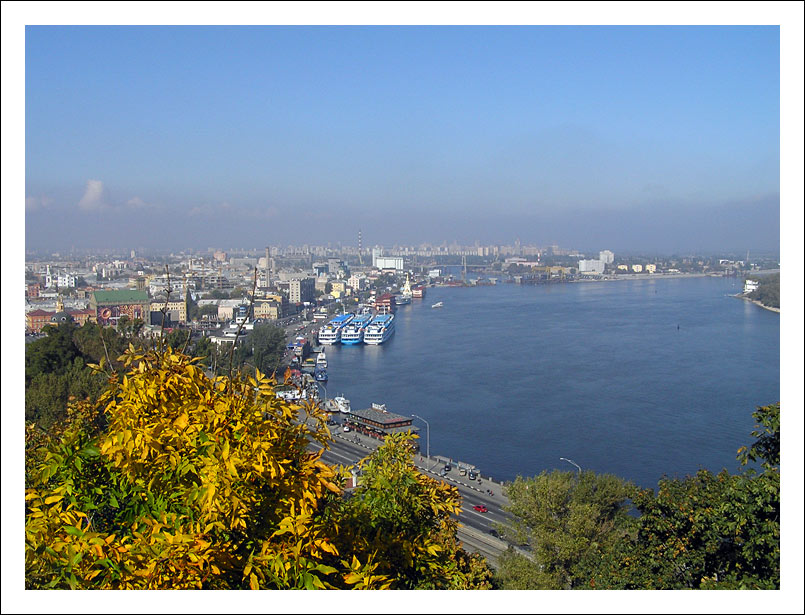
(480, 508)
(447, 467)
(472, 475)
(346, 428)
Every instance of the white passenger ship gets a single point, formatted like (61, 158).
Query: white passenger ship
(379, 330)
(355, 329)
(331, 332)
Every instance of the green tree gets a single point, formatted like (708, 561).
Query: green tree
(52, 353)
(708, 531)
(205, 350)
(178, 338)
(384, 281)
(566, 520)
(207, 310)
(406, 521)
(263, 348)
(96, 343)
(192, 308)
(55, 370)
(129, 329)
(768, 291)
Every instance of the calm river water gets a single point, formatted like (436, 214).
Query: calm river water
(636, 378)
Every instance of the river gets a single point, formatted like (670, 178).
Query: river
(636, 378)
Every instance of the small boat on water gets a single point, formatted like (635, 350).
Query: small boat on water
(321, 360)
(437, 305)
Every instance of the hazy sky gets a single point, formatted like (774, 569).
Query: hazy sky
(632, 138)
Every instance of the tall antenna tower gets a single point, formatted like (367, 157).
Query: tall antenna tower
(268, 266)
(360, 247)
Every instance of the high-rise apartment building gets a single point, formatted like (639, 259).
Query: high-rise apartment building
(606, 256)
(301, 290)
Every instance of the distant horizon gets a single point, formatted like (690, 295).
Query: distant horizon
(658, 138)
(391, 249)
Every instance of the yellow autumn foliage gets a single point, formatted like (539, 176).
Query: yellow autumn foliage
(176, 480)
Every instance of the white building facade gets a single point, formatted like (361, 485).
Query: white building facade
(591, 267)
(606, 256)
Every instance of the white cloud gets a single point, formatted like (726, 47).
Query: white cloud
(138, 203)
(94, 198)
(35, 203)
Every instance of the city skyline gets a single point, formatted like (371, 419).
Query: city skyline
(621, 137)
(649, 137)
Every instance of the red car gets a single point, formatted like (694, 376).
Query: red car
(480, 508)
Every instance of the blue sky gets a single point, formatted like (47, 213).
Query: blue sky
(638, 138)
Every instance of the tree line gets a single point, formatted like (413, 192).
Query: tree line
(707, 531)
(768, 290)
(150, 474)
(56, 365)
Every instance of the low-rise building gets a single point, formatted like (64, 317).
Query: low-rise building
(377, 422)
(637, 268)
(109, 306)
(226, 308)
(270, 309)
(176, 310)
(66, 280)
(36, 319)
(651, 268)
(321, 284)
(358, 282)
(386, 304)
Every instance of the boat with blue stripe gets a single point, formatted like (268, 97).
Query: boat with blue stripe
(355, 329)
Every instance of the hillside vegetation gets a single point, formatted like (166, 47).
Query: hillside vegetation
(768, 291)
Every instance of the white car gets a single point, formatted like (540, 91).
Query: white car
(346, 428)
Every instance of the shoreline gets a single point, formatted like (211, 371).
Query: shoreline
(649, 276)
(757, 303)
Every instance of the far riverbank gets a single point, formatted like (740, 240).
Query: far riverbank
(649, 276)
(757, 303)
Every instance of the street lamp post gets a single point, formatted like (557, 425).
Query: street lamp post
(427, 434)
(572, 462)
(325, 390)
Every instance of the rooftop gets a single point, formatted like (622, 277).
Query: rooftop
(379, 416)
(102, 297)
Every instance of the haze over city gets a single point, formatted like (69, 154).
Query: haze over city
(633, 138)
(568, 240)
